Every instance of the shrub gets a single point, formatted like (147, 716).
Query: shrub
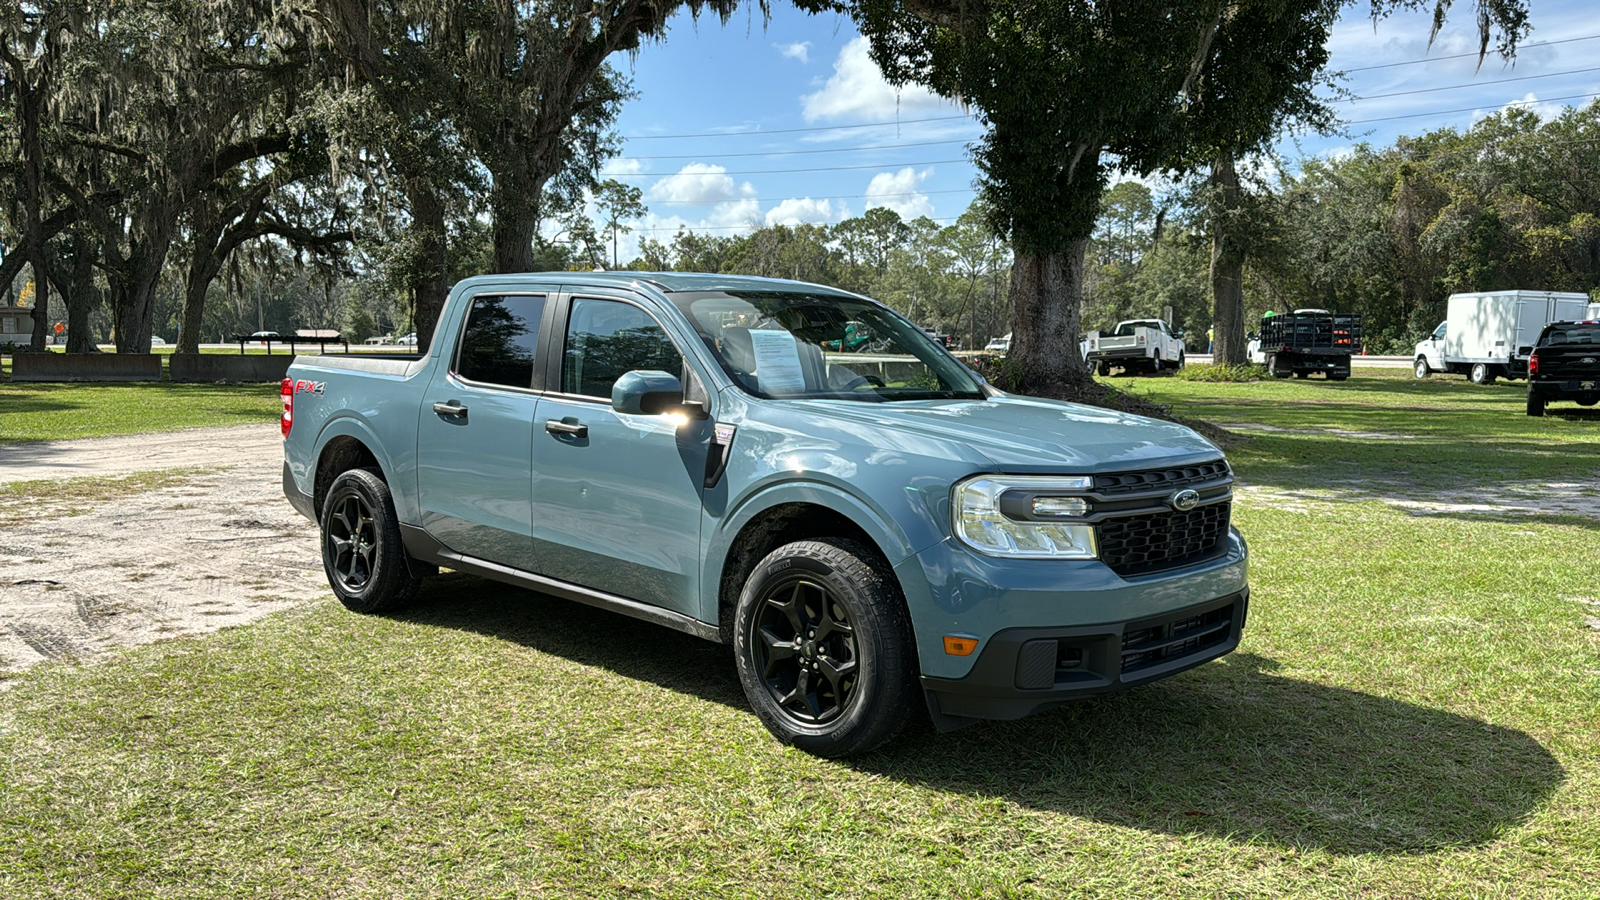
(1218, 373)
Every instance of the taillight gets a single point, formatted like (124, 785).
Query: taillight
(1533, 363)
(286, 393)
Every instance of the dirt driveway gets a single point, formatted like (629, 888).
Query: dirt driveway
(205, 543)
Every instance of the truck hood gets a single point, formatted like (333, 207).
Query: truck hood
(1023, 434)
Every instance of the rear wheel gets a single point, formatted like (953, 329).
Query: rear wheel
(1421, 368)
(1103, 369)
(824, 648)
(1535, 405)
(1276, 369)
(1481, 374)
(361, 549)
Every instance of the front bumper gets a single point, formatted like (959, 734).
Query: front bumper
(1022, 671)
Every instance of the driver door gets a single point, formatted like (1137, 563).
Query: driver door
(617, 497)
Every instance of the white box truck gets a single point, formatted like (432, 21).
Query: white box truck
(1489, 335)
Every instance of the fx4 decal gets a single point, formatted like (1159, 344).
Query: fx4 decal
(310, 387)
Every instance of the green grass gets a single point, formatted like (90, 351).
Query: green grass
(1413, 714)
(31, 411)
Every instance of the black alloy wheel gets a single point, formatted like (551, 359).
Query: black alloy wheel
(362, 552)
(823, 643)
(805, 647)
(353, 536)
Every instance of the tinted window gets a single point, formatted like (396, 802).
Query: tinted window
(498, 345)
(605, 340)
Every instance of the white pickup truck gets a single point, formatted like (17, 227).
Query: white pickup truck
(1135, 344)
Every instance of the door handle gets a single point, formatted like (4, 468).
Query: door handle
(562, 426)
(451, 409)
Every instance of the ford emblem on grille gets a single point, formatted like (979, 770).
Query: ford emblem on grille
(1185, 500)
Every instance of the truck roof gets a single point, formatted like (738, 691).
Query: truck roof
(666, 282)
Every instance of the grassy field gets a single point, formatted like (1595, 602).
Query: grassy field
(40, 411)
(1415, 712)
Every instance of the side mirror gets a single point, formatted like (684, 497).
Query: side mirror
(650, 393)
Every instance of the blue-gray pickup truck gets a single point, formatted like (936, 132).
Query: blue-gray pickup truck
(791, 469)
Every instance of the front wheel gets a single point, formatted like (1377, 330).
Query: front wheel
(1421, 368)
(1535, 405)
(1481, 374)
(361, 548)
(824, 647)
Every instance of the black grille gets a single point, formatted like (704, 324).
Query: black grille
(1151, 645)
(1160, 479)
(1138, 545)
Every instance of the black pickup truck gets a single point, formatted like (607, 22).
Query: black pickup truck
(1565, 365)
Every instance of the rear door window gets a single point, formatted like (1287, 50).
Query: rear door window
(498, 343)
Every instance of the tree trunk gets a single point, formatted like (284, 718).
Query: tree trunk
(429, 278)
(1227, 268)
(515, 206)
(30, 100)
(133, 293)
(74, 282)
(1045, 290)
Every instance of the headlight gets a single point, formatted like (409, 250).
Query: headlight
(1010, 516)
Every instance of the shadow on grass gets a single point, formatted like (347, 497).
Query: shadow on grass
(1228, 750)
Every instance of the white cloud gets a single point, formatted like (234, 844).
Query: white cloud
(800, 50)
(798, 211)
(1530, 102)
(699, 183)
(857, 91)
(738, 214)
(623, 165)
(898, 191)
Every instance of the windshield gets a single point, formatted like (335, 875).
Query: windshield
(783, 345)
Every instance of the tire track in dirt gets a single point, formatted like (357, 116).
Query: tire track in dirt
(215, 549)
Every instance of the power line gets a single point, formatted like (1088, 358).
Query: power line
(688, 228)
(934, 162)
(830, 197)
(1446, 112)
(803, 152)
(1429, 59)
(1452, 87)
(726, 134)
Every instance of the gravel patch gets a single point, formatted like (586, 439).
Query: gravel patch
(211, 550)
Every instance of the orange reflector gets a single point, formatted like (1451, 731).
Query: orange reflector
(959, 646)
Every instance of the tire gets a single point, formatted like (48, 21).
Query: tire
(863, 661)
(1302, 374)
(1333, 377)
(1274, 369)
(1103, 370)
(362, 553)
(1421, 368)
(1535, 405)
(1155, 365)
(1589, 402)
(1481, 374)
(1182, 361)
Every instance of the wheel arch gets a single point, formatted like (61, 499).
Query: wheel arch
(347, 444)
(784, 516)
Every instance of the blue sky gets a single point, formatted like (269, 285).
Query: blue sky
(750, 124)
